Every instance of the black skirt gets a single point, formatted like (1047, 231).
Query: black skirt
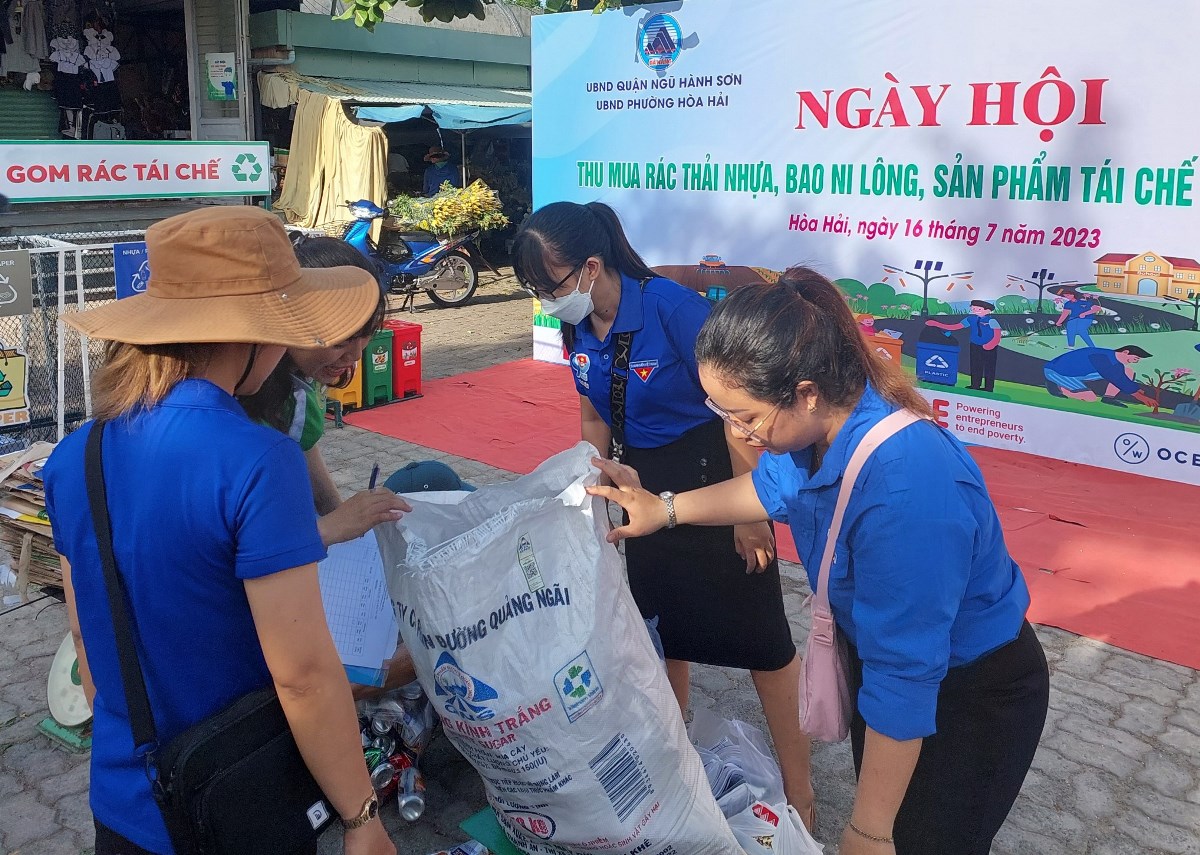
(692, 579)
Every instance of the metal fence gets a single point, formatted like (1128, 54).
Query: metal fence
(70, 272)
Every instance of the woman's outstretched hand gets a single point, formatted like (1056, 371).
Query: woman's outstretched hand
(647, 512)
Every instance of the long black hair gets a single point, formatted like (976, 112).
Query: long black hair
(566, 234)
(766, 339)
(267, 405)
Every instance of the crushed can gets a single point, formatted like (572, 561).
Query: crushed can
(410, 794)
(415, 733)
(471, 847)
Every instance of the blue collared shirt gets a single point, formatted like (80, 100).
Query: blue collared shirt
(1087, 362)
(664, 398)
(201, 499)
(983, 328)
(921, 580)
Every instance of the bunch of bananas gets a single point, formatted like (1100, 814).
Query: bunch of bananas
(447, 10)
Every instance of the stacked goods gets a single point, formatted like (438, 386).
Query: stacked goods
(24, 525)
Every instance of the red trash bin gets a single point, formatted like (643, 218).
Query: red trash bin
(406, 358)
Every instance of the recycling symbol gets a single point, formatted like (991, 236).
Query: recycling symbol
(246, 167)
(578, 682)
(937, 362)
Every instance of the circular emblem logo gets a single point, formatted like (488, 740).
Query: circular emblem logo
(1131, 448)
(658, 41)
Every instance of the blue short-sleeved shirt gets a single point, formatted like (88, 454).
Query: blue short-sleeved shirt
(1091, 361)
(1076, 308)
(201, 498)
(983, 328)
(921, 580)
(664, 398)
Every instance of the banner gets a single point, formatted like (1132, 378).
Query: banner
(69, 170)
(1010, 215)
(131, 268)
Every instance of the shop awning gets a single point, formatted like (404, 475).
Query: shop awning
(452, 107)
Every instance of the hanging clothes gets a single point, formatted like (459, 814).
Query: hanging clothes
(330, 160)
(13, 57)
(33, 30)
(68, 63)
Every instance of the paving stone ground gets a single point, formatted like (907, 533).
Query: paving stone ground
(1118, 771)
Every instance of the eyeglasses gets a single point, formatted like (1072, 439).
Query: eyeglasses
(739, 425)
(546, 295)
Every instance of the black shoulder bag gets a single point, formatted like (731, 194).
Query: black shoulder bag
(232, 784)
(618, 389)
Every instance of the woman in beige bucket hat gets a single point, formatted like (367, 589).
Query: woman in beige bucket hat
(213, 527)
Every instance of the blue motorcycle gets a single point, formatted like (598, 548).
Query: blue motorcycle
(417, 261)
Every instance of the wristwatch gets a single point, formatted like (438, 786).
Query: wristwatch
(370, 810)
(669, 500)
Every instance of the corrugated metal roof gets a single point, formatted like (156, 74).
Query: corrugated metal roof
(388, 92)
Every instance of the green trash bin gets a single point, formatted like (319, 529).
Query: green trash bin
(377, 369)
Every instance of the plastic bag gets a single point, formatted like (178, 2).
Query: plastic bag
(767, 830)
(527, 641)
(744, 755)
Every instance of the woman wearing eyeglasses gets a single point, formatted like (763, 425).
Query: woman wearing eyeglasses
(949, 682)
(714, 591)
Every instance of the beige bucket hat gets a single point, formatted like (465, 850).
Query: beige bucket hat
(229, 274)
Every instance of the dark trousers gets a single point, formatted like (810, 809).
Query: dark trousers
(108, 842)
(983, 367)
(990, 716)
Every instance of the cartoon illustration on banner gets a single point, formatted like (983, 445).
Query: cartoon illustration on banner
(1002, 227)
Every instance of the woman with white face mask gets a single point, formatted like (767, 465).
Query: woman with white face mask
(630, 336)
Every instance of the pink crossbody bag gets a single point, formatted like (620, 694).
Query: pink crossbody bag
(824, 689)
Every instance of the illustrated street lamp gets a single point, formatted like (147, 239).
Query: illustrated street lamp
(1193, 300)
(928, 272)
(1039, 279)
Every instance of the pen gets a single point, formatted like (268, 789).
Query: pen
(374, 476)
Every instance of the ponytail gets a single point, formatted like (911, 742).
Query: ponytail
(566, 234)
(768, 338)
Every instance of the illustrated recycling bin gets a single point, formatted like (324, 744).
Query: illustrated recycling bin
(406, 359)
(937, 357)
(377, 369)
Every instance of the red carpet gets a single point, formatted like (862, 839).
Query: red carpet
(1107, 555)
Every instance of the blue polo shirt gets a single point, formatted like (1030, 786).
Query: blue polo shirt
(921, 580)
(1087, 362)
(1076, 308)
(983, 328)
(663, 398)
(201, 498)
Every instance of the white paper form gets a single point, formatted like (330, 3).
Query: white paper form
(358, 608)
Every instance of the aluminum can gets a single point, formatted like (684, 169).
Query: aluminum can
(411, 795)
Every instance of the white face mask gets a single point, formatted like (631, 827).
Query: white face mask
(571, 308)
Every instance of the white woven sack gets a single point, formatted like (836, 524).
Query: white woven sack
(527, 640)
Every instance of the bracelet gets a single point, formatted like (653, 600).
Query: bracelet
(870, 837)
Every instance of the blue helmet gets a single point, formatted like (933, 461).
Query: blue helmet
(365, 209)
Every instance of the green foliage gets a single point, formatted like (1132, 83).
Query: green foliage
(452, 211)
(368, 13)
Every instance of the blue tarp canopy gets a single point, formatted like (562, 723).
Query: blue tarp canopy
(468, 117)
(450, 117)
(401, 113)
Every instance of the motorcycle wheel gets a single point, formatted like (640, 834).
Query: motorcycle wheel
(459, 266)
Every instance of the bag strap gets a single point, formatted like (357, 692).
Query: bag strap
(875, 437)
(618, 390)
(141, 721)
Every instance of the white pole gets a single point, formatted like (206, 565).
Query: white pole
(62, 347)
(463, 137)
(84, 349)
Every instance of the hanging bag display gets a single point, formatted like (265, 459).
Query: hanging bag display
(231, 784)
(825, 707)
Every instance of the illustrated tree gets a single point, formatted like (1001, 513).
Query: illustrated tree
(1175, 380)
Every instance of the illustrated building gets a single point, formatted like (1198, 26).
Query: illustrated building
(1148, 274)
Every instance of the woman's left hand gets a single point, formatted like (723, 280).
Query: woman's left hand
(359, 514)
(856, 844)
(755, 542)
